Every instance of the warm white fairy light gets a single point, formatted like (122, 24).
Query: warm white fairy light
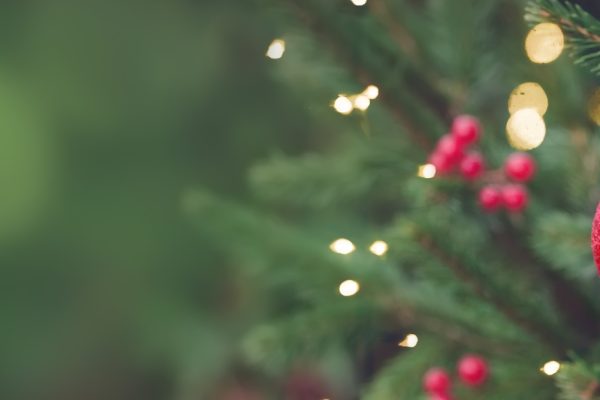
(379, 248)
(411, 340)
(276, 49)
(544, 43)
(427, 171)
(362, 102)
(359, 2)
(372, 92)
(343, 105)
(525, 129)
(528, 95)
(349, 288)
(551, 368)
(342, 246)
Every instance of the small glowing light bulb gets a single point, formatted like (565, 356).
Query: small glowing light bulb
(411, 340)
(525, 129)
(427, 171)
(544, 43)
(342, 246)
(359, 3)
(528, 95)
(379, 248)
(372, 92)
(343, 105)
(594, 107)
(551, 368)
(362, 102)
(276, 49)
(349, 288)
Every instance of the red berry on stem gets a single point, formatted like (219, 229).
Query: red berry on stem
(490, 198)
(519, 167)
(450, 147)
(436, 381)
(596, 238)
(466, 129)
(515, 197)
(472, 370)
(441, 162)
(471, 167)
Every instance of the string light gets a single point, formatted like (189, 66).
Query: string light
(525, 129)
(343, 105)
(349, 288)
(550, 368)
(379, 248)
(372, 92)
(594, 107)
(342, 246)
(544, 43)
(362, 102)
(528, 95)
(427, 171)
(411, 340)
(359, 3)
(276, 49)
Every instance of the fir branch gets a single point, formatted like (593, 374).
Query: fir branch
(582, 30)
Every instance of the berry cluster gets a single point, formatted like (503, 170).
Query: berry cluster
(452, 152)
(472, 371)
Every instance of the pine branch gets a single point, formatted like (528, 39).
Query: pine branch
(582, 30)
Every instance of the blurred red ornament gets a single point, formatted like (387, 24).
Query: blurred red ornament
(472, 370)
(490, 198)
(471, 166)
(596, 238)
(519, 167)
(515, 197)
(449, 146)
(466, 129)
(441, 162)
(436, 381)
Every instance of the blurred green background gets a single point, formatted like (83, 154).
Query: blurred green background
(109, 112)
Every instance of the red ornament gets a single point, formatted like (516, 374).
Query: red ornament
(596, 238)
(471, 167)
(436, 381)
(449, 146)
(515, 197)
(490, 198)
(472, 370)
(519, 167)
(466, 129)
(441, 162)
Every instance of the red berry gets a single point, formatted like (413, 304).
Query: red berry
(519, 167)
(466, 129)
(490, 198)
(515, 197)
(471, 167)
(596, 238)
(472, 370)
(450, 147)
(436, 381)
(441, 396)
(441, 162)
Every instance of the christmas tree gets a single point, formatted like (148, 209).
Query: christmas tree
(433, 240)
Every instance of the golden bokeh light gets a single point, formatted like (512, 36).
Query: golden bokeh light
(544, 43)
(276, 49)
(550, 368)
(528, 95)
(349, 288)
(525, 129)
(379, 248)
(411, 340)
(342, 246)
(372, 92)
(361, 102)
(427, 171)
(594, 107)
(343, 105)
